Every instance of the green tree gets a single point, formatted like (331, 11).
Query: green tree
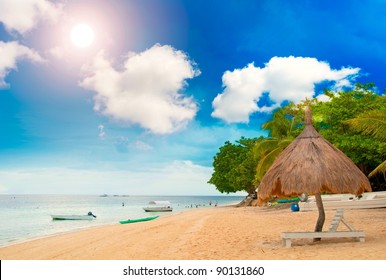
(372, 123)
(286, 122)
(330, 120)
(234, 167)
(283, 127)
(266, 152)
(241, 166)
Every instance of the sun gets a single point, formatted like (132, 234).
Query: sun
(82, 35)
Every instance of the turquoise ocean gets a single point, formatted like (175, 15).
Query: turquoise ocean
(25, 217)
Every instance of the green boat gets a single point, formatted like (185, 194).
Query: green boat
(296, 199)
(129, 221)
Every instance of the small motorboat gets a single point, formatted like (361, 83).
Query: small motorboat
(90, 216)
(158, 206)
(129, 221)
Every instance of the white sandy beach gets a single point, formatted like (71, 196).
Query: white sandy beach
(222, 233)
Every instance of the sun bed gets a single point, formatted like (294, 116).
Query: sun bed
(331, 233)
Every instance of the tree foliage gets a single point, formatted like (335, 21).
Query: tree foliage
(330, 118)
(234, 167)
(372, 123)
(266, 152)
(286, 123)
(353, 121)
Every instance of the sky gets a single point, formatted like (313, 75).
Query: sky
(139, 101)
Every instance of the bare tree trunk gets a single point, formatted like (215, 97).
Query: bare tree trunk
(322, 216)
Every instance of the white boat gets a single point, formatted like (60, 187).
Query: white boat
(158, 206)
(347, 201)
(90, 216)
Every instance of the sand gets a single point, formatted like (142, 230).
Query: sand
(217, 233)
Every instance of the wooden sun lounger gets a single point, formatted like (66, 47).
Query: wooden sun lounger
(331, 233)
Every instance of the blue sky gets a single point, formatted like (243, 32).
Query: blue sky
(163, 84)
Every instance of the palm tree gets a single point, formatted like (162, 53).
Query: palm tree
(283, 128)
(371, 123)
(267, 151)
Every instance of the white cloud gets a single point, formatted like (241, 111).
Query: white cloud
(23, 15)
(323, 98)
(283, 78)
(11, 53)
(147, 90)
(140, 145)
(102, 133)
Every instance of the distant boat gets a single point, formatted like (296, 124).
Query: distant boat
(129, 221)
(158, 206)
(90, 216)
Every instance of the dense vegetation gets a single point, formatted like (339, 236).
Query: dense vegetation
(235, 167)
(354, 121)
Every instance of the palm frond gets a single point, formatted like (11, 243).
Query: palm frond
(379, 169)
(262, 147)
(266, 161)
(370, 123)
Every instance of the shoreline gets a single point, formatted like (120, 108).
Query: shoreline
(27, 217)
(218, 233)
(49, 235)
(29, 239)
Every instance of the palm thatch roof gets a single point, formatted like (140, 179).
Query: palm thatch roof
(310, 164)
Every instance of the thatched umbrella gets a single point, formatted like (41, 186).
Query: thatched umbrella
(310, 164)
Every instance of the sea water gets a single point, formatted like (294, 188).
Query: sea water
(24, 217)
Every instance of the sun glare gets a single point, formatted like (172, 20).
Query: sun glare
(82, 35)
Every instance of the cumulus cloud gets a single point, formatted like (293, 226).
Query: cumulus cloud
(11, 53)
(146, 90)
(23, 15)
(282, 78)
